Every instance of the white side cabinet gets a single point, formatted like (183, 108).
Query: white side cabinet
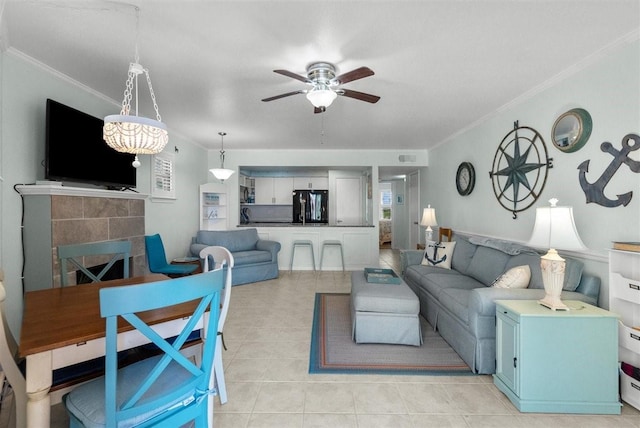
(624, 300)
(213, 207)
(557, 361)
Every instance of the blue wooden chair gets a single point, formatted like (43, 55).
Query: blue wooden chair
(167, 390)
(119, 250)
(157, 259)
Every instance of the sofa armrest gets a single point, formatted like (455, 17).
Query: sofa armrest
(272, 246)
(410, 257)
(195, 249)
(482, 301)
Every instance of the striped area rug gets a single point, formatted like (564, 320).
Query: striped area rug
(334, 351)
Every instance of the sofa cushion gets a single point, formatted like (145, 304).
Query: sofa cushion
(434, 283)
(456, 300)
(572, 274)
(251, 257)
(462, 254)
(233, 240)
(487, 264)
(416, 273)
(438, 254)
(533, 261)
(516, 277)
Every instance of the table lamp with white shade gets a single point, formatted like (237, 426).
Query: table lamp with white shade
(428, 220)
(554, 229)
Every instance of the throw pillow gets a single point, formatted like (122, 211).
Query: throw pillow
(438, 254)
(517, 277)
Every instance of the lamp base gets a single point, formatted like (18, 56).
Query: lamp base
(428, 235)
(553, 303)
(552, 266)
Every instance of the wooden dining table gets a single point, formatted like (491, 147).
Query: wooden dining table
(63, 326)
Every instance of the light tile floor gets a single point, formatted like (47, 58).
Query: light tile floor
(268, 385)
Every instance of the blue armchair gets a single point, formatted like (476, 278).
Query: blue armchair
(255, 259)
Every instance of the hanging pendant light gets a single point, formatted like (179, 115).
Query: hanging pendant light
(222, 173)
(132, 133)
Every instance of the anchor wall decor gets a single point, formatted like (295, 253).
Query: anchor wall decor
(595, 191)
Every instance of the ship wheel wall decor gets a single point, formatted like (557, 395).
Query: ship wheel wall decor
(520, 169)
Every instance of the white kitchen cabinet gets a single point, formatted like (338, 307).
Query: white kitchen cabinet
(624, 300)
(311, 183)
(273, 190)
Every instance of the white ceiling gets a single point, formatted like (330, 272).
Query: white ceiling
(440, 66)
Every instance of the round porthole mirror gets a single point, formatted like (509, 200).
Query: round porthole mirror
(571, 130)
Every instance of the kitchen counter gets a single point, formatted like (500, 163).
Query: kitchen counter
(359, 244)
(276, 224)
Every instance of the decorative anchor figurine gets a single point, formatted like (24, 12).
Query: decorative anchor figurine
(595, 191)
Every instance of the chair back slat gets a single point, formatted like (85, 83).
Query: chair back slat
(216, 257)
(120, 250)
(191, 387)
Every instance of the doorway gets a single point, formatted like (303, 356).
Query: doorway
(414, 209)
(385, 215)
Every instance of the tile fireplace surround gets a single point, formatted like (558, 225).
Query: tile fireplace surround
(59, 215)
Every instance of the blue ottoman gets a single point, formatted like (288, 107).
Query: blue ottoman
(384, 313)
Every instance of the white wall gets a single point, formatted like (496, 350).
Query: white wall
(609, 89)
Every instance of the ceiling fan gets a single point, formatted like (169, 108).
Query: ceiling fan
(321, 76)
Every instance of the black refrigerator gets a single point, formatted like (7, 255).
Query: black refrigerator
(310, 206)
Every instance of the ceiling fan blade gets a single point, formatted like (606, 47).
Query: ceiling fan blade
(293, 75)
(358, 95)
(288, 94)
(356, 74)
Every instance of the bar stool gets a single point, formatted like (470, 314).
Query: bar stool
(302, 243)
(331, 243)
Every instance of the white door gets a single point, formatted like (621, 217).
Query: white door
(348, 201)
(414, 209)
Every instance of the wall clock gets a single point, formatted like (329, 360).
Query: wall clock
(465, 178)
(520, 168)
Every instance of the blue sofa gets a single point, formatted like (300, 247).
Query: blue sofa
(255, 259)
(460, 302)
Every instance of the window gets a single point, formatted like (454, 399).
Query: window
(386, 201)
(163, 184)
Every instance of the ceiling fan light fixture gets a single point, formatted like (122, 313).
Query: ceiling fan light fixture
(321, 96)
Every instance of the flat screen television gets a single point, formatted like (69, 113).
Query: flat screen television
(76, 152)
